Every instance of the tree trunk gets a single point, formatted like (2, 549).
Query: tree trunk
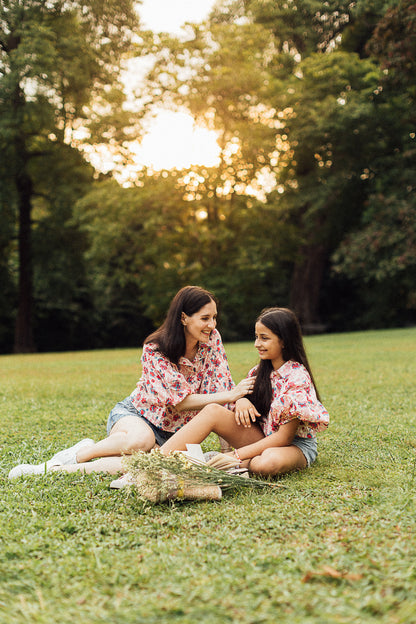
(306, 287)
(23, 342)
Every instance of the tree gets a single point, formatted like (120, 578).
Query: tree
(146, 242)
(56, 58)
(379, 252)
(331, 130)
(63, 316)
(137, 240)
(337, 132)
(220, 75)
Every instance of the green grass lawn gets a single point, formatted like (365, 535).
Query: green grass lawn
(336, 545)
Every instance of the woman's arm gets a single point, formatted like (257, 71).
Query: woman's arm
(198, 401)
(283, 437)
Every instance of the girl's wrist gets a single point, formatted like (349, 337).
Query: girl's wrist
(237, 455)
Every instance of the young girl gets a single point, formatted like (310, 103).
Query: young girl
(184, 368)
(274, 431)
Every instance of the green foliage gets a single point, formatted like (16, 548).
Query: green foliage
(334, 545)
(64, 317)
(135, 252)
(292, 87)
(379, 251)
(382, 252)
(301, 26)
(145, 242)
(319, 97)
(221, 75)
(55, 58)
(393, 43)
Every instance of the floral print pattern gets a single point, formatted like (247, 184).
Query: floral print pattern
(163, 384)
(294, 396)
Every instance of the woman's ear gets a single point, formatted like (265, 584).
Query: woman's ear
(183, 318)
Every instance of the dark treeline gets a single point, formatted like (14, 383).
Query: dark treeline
(312, 204)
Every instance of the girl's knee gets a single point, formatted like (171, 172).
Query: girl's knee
(268, 463)
(275, 461)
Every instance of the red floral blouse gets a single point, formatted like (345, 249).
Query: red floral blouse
(163, 384)
(294, 396)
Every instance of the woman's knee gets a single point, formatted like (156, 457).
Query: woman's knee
(141, 441)
(213, 413)
(213, 409)
(136, 435)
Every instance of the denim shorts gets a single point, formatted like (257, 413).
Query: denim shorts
(308, 446)
(126, 408)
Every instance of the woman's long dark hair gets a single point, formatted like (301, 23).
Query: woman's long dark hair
(170, 336)
(285, 325)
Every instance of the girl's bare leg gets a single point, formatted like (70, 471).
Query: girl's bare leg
(277, 460)
(128, 434)
(217, 419)
(111, 465)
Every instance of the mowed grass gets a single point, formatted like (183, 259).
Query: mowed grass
(336, 545)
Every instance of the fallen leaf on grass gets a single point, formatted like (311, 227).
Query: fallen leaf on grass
(329, 572)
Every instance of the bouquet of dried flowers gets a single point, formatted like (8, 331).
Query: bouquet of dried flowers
(161, 477)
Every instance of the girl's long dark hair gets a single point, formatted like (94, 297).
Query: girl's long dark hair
(170, 336)
(285, 325)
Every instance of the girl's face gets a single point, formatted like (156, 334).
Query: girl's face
(198, 326)
(269, 345)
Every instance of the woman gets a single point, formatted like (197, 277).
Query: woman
(275, 431)
(184, 369)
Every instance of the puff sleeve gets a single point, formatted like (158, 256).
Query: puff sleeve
(161, 382)
(298, 400)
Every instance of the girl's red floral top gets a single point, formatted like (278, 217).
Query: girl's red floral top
(163, 384)
(294, 396)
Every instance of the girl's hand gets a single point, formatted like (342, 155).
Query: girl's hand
(245, 412)
(224, 461)
(244, 387)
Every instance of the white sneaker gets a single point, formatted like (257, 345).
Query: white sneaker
(69, 455)
(122, 482)
(31, 469)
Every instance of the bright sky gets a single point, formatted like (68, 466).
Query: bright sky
(173, 139)
(170, 15)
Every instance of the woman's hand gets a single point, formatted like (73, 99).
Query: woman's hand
(198, 401)
(245, 412)
(244, 387)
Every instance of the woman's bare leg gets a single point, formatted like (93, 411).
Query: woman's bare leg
(217, 419)
(111, 465)
(129, 434)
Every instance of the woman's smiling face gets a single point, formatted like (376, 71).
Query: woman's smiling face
(198, 326)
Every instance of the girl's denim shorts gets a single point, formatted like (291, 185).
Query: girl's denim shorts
(126, 408)
(308, 446)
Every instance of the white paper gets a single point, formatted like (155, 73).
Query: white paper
(195, 451)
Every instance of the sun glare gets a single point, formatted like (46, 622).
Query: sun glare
(174, 141)
(169, 15)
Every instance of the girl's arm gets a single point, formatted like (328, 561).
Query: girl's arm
(198, 401)
(283, 437)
